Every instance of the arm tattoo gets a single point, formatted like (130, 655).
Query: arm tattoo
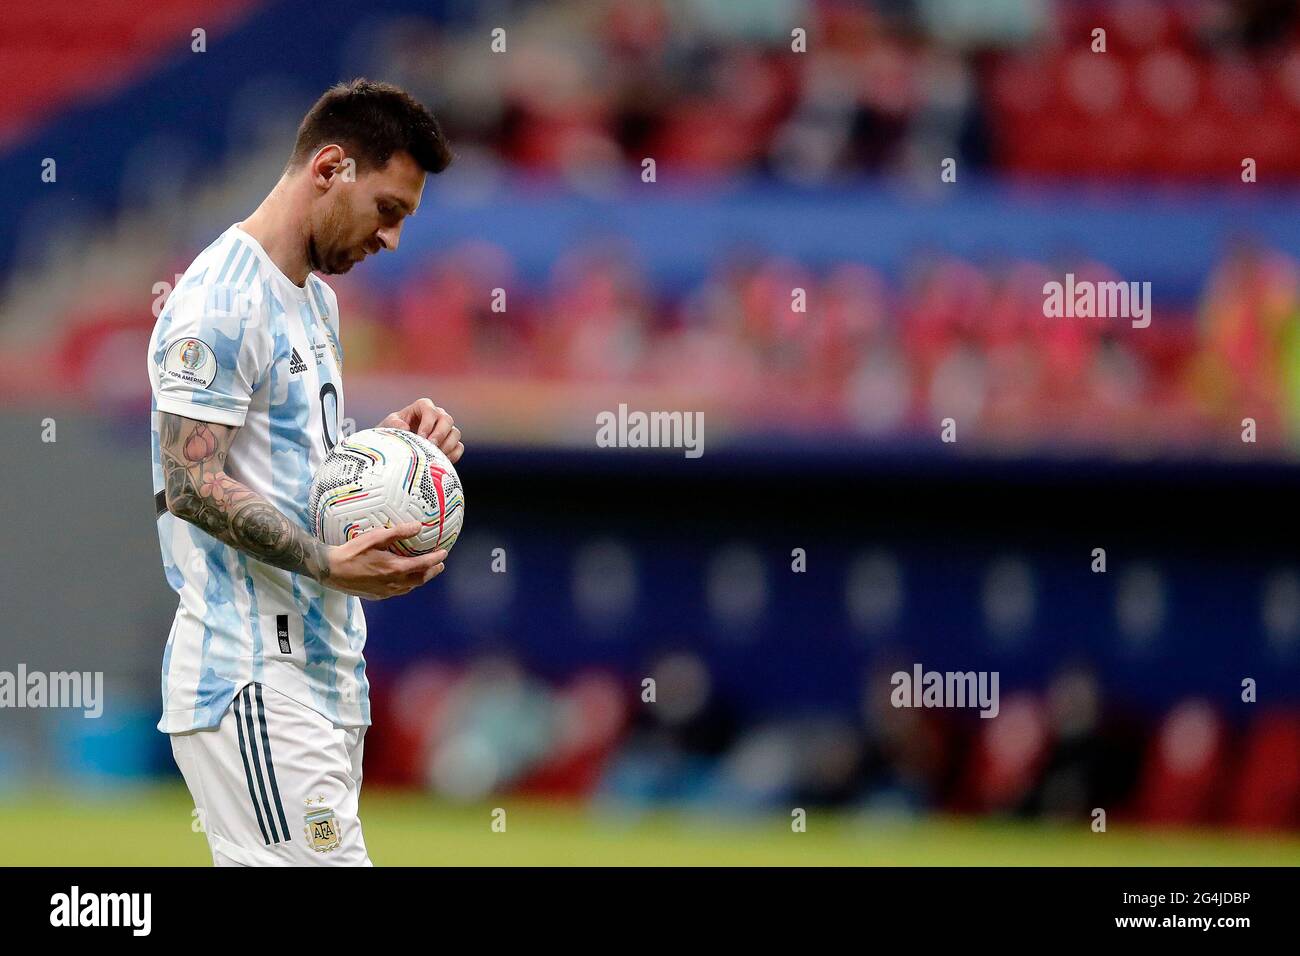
(199, 490)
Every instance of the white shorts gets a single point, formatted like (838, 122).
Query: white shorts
(276, 784)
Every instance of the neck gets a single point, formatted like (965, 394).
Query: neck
(278, 227)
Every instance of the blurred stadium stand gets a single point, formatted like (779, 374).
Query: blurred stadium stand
(775, 171)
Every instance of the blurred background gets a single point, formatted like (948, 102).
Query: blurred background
(797, 144)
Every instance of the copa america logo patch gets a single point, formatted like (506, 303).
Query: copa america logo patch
(190, 361)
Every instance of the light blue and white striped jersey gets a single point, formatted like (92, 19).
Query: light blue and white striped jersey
(238, 343)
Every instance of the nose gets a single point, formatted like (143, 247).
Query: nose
(389, 237)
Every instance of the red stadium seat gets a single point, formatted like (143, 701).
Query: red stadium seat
(1267, 791)
(61, 51)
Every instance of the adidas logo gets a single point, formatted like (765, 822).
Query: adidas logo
(296, 364)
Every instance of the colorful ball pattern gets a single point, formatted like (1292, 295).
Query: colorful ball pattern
(382, 477)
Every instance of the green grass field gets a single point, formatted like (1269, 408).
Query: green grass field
(153, 827)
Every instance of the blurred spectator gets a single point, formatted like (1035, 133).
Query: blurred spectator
(1093, 757)
(674, 741)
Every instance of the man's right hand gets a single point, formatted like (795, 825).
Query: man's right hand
(365, 567)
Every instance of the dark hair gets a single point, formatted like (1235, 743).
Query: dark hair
(372, 121)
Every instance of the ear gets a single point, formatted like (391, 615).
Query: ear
(326, 165)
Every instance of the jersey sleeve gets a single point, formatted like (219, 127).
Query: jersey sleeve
(209, 354)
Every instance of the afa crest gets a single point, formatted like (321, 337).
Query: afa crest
(322, 829)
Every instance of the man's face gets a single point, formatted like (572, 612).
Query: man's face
(354, 219)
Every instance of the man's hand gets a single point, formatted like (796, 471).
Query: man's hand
(366, 568)
(199, 491)
(429, 421)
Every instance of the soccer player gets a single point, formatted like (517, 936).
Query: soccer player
(263, 680)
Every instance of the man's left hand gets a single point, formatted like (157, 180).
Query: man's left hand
(429, 421)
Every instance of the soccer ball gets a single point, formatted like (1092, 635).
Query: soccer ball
(382, 477)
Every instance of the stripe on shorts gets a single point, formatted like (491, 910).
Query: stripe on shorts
(248, 772)
(270, 767)
(257, 765)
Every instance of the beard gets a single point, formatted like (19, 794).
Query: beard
(327, 252)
